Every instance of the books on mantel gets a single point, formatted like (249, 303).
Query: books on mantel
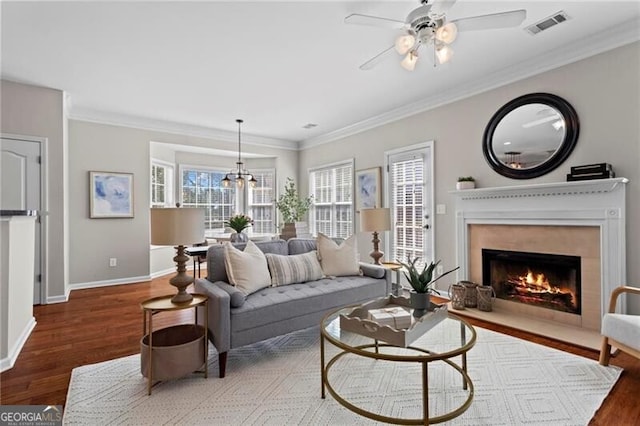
(591, 171)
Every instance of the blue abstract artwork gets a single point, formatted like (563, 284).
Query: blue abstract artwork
(368, 192)
(111, 194)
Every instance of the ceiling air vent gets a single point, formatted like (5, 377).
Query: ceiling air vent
(309, 126)
(546, 23)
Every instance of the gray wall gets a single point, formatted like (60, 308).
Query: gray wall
(39, 111)
(604, 90)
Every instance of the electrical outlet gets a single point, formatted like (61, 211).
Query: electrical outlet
(441, 209)
(439, 270)
(113, 262)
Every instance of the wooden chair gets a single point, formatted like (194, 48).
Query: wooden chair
(620, 330)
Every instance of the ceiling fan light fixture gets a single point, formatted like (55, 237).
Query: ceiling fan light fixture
(404, 43)
(444, 54)
(447, 33)
(409, 61)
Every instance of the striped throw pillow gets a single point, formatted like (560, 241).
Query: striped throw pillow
(292, 269)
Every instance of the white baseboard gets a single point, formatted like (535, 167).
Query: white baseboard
(107, 283)
(12, 356)
(163, 273)
(60, 299)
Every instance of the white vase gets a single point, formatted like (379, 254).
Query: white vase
(465, 185)
(238, 237)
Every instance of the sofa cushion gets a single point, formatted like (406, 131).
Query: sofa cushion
(294, 269)
(247, 270)
(216, 270)
(301, 245)
(286, 303)
(338, 260)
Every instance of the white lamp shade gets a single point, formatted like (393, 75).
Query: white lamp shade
(404, 43)
(375, 220)
(447, 33)
(409, 62)
(177, 226)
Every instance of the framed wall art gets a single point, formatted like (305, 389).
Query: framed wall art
(368, 191)
(110, 195)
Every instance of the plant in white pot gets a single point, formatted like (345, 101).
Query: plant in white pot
(422, 283)
(292, 208)
(466, 182)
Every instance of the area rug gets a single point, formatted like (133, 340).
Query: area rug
(277, 382)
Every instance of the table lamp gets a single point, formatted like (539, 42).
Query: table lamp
(375, 220)
(178, 227)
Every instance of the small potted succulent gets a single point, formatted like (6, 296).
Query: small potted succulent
(239, 223)
(422, 283)
(466, 182)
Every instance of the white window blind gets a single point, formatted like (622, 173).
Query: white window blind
(332, 208)
(261, 205)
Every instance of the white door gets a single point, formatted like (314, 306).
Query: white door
(20, 183)
(409, 177)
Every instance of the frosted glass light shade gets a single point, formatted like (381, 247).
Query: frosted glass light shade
(404, 43)
(375, 220)
(447, 33)
(409, 61)
(444, 53)
(177, 226)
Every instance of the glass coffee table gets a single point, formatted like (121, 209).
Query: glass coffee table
(452, 337)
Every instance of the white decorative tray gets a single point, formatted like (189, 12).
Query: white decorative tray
(358, 321)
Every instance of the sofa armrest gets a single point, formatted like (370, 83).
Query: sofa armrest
(377, 271)
(219, 313)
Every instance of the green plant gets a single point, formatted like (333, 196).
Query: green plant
(239, 222)
(291, 206)
(422, 282)
(466, 179)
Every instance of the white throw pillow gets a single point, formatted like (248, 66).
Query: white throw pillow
(247, 270)
(338, 260)
(293, 269)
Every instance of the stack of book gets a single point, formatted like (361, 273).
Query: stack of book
(591, 171)
(393, 316)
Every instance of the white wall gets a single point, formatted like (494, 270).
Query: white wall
(604, 90)
(39, 111)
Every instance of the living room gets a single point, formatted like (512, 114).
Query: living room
(601, 84)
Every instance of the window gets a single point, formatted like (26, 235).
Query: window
(261, 201)
(161, 184)
(203, 188)
(332, 209)
(409, 171)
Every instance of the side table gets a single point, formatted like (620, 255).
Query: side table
(175, 351)
(396, 289)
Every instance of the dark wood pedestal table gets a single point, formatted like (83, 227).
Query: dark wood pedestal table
(455, 339)
(173, 352)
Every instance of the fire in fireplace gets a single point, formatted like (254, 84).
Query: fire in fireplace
(546, 280)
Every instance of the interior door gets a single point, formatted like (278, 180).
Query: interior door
(409, 177)
(20, 181)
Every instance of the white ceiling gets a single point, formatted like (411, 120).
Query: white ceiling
(198, 66)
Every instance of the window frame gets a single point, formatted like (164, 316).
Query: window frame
(249, 205)
(169, 187)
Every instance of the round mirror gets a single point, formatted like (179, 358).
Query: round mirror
(530, 136)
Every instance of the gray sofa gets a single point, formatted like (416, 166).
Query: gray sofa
(236, 320)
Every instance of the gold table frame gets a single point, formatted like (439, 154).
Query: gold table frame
(424, 357)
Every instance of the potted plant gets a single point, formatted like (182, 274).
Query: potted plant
(239, 223)
(422, 283)
(466, 182)
(292, 208)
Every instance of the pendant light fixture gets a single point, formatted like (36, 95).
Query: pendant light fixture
(241, 174)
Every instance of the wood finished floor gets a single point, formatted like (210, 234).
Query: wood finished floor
(105, 323)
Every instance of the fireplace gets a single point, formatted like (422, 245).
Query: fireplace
(545, 280)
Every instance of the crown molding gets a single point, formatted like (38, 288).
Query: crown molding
(589, 46)
(145, 123)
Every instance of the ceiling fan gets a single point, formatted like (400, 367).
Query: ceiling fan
(428, 25)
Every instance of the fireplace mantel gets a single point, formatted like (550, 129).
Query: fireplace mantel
(600, 203)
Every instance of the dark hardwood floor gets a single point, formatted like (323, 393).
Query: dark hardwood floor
(105, 323)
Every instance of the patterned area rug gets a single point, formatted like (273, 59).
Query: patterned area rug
(277, 382)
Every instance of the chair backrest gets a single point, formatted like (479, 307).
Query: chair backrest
(216, 270)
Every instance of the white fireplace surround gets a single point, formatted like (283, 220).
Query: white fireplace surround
(599, 203)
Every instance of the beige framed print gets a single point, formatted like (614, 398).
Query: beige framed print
(368, 191)
(110, 195)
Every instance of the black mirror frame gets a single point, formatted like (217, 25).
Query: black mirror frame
(572, 126)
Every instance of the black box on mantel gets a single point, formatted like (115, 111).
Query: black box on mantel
(592, 169)
(589, 176)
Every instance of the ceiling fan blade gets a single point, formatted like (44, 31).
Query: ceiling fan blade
(375, 21)
(440, 7)
(377, 59)
(492, 21)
